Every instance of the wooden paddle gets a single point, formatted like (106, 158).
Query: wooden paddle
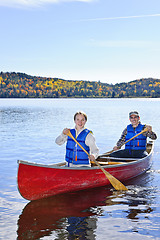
(115, 182)
(144, 130)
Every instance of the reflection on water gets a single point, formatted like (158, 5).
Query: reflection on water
(70, 215)
(75, 215)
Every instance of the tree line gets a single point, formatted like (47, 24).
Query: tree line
(21, 85)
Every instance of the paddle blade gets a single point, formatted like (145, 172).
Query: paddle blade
(115, 182)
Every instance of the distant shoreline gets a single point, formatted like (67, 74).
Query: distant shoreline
(21, 85)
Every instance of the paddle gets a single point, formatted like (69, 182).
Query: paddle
(144, 130)
(115, 182)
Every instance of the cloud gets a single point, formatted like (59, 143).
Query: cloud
(35, 3)
(124, 17)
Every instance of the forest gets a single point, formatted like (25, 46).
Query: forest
(21, 85)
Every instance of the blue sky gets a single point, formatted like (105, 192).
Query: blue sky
(108, 40)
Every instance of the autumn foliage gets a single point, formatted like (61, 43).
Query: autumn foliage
(21, 85)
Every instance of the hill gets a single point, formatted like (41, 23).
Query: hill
(21, 85)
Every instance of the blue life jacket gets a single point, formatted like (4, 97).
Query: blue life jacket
(74, 154)
(138, 143)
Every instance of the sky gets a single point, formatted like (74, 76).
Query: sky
(111, 41)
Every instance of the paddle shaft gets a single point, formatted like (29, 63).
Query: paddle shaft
(115, 182)
(144, 130)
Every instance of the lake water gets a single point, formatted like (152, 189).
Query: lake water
(28, 128)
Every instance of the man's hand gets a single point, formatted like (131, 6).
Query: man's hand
(116, 148)
(149, 128)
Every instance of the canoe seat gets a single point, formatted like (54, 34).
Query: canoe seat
(106, 163)
(108, 158)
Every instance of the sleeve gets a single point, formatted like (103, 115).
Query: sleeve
(61, 139)
(122, 138)
(90, 141)
(151, 134)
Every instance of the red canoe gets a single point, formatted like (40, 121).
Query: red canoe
(36, 181)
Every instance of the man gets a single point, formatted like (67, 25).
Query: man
(75, 156)
(135, 148)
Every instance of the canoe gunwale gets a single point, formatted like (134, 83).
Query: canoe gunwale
(56, 166)
(128, 161)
